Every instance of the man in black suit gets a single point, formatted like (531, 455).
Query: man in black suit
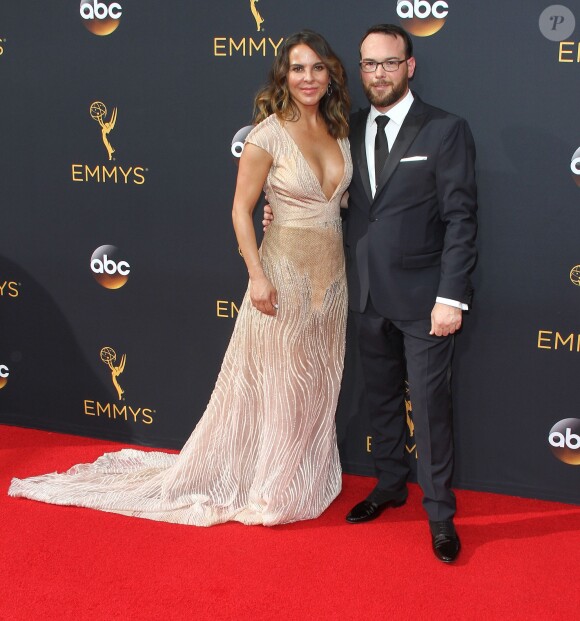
(410, 247)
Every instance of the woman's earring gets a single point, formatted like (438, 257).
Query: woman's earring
(329, 89)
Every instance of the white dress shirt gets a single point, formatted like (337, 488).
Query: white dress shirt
(396, 115)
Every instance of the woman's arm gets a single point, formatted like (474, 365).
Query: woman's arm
(253, 169)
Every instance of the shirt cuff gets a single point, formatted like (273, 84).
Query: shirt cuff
(455, 303)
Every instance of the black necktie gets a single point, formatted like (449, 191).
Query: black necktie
(381, 146)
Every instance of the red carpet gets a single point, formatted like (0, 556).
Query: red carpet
(520, 558)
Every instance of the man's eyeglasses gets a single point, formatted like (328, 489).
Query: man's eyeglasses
(390, 65)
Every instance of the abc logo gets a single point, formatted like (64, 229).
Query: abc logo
(109, 272)
(575, 167)
(565, 441)
(101, 18)
(4, 373)
(239, 139)
(422, 18)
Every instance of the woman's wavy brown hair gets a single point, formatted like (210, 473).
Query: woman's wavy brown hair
(275, 97)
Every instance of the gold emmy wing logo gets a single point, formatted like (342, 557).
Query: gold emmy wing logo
(422, 18)
(575, 275)
(98, 112)
(109, 356)
(259, 19)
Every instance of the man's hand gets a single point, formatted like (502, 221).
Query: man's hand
(268, 216)
(445, 319)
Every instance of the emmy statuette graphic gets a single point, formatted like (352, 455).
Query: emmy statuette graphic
(98, 112)
(259, 19)
(409, 418)
(108, 356)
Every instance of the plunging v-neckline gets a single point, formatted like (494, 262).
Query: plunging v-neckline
(311, 170)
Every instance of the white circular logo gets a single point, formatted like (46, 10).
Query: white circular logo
(422, 18)
(575, 167)
(239, 139)
(101, 18)
(4, 374)
(557, 22)
(564, 441)
(108, 271)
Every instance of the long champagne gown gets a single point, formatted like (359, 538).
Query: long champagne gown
(265, 450)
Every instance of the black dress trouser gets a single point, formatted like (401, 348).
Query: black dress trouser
(390, 350)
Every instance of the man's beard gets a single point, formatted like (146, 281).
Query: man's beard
(388, 99)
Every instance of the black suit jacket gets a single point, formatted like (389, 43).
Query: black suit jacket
(416, 239)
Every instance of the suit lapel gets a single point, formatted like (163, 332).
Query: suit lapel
(407, 134)
(359, 154)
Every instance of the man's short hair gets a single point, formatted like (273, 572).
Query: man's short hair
(394, 31)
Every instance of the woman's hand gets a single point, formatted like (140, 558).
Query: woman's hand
(263, 295)
(268, 216)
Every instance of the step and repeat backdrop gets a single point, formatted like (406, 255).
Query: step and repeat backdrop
(120, 278)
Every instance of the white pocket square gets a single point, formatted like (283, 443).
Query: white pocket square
(415, 158)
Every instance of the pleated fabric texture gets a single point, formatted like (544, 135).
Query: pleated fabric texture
(265, 450)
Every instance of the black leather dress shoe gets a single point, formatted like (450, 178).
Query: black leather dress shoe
(446, 544)
(368, 510)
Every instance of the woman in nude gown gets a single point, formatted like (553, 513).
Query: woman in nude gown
(265, 450)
